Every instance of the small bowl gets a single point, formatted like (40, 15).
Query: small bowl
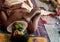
(9, 28)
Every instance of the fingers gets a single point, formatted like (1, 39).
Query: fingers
(3, 18)
(33, 25)
(31, 14)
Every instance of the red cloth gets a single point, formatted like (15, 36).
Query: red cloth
(51, 15)
(58, 13)
(44, 21)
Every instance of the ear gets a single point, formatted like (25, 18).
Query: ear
(33, 25)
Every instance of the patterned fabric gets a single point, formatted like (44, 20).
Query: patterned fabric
(37, 39)
(41, 31)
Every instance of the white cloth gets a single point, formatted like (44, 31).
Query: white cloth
(24, 5)
(43, 12)
(41, 4)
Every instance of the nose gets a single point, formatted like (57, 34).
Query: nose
(17, 32)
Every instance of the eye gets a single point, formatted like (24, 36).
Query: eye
(20, 29)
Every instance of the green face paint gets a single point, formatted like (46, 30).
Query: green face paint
(19, 27)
